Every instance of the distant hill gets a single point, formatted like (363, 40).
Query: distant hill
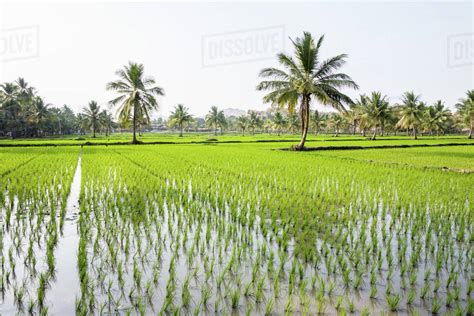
(234, 112)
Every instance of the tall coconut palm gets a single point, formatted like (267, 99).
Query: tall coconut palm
(254, 121)
(465, 109)
(376, 111)
(279, 122)
(411, 112)
(180, 117)
(242, 123)
(305, 79)
(92, 114)
(216, 119)
(137, 95)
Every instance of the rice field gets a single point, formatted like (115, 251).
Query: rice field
(236, 229)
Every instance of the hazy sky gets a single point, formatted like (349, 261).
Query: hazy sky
(392, 46)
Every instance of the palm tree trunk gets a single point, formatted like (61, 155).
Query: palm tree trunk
(470, 132)
(414, 133)
(134, 125)
(375, 133)
(181, 131)
(304, 121)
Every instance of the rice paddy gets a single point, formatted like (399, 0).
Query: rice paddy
(236, 229)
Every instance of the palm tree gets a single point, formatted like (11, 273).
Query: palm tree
(336, 121)
(106, 122)
(317, 120)
(92, 114)
(411, 112)
(137, 95)
(307, 78)
(242, 123)
(279, 122)
(376, 111)
(38, 113)
(216, 119)
(293, 122)
(180, 117)
(466, 111)
(436, 117)
(254, 121)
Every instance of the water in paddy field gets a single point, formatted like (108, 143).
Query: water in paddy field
(62, 295)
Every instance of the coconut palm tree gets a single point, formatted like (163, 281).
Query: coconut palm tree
(216, 119)
(279, 122)
(38, 114)
(305, 79)
(293, 122)
(180, 117)
(106, 122)
(376, 111)
(436, 117)
(242, 123)
(92, 114)
(336, 121)
(137, 95)
(317, 120)
(254, 121)
(466, 111)
(411, 112)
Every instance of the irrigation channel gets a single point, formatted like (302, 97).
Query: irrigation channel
(62, 295)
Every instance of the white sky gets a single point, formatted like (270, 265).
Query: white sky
(392, 46)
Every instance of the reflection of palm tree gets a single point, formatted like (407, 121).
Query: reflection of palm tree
(137, 95)
(304, 78)
(92, 115)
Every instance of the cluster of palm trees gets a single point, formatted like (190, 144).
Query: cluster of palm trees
(23, 113)
(304, 80)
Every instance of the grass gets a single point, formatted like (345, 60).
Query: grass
(194, 228)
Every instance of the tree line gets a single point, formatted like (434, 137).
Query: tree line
(305, 79)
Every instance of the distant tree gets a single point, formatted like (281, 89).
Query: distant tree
(307, 77)
(106, 122)
(279, 122)
(216, 119)
(336, 121)
(38, 114)
(375, 111)
(317, 121)
(411, 112)
(254, 121)
(180, 117)
(242, 123)
(465, 108)
(436, 118)
(137, 95)
(293, 122)
(92, 114)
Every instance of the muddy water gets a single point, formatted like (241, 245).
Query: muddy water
(62, 295)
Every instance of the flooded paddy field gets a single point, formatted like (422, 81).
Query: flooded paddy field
(235, 229)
